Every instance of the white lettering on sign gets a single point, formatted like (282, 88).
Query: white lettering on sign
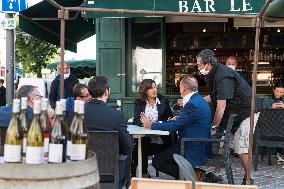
(209, 6)
(246, 6)
(183, 6)
(196, 6)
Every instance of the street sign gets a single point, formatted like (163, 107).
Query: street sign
(12, 6)
(8, 23)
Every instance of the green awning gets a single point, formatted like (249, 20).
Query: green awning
(275, 10)
(228, 7)
(75, 63)
(76, 29)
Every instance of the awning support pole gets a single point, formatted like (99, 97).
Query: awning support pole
(62, 15)
(254, 78)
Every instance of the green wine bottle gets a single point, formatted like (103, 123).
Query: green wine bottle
(35, 142)
(80, 136)
(24, 123)
(58, 139)
(71, 128)
(13, 138)
(65, 123)
(45, 124)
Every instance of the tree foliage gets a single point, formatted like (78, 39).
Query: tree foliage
(34, 53)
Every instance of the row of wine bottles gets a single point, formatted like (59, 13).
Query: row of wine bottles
(32, 142)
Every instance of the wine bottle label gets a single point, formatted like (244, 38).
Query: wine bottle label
(36, 108)
(69, 147)
(12, 153)
(55, 153)
(16, 105)
(24, 103)
(44, 104)
(46, 143)
(34, 155)
(78, 152)
(81, 107)
(24, 145)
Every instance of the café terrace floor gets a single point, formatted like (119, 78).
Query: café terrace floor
(266, 177)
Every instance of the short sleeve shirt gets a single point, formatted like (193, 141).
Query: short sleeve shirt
(225, 89)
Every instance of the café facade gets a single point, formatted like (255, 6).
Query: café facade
(132, 47)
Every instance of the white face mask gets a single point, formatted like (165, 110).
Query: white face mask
(232, 67)
(66, 75)
(204, 71)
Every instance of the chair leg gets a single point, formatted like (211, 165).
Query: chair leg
(256, 158)
(229, 173)
(262, 153)
(269, 159)
(157, 173)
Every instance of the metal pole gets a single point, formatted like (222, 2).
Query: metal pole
(10, 62)
(254, 78)
(62, 47)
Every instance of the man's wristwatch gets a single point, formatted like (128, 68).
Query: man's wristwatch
(214, 127)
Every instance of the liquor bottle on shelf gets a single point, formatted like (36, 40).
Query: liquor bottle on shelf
(118, 105)
(35, 141)
(80, 136)
(58, 138)
(24, 123)
(13, 138)
(45, 124)
(71, 128)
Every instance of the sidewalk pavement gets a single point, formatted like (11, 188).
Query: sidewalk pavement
(266, 177)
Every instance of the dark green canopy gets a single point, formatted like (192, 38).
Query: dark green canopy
(275, 10)
(48, 29)
(75, 63)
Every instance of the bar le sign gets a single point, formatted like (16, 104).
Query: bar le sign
(211, 6)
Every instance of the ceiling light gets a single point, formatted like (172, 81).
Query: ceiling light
(278, 30)
(204, 30)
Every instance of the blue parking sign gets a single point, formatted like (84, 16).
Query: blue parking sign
(12, 6)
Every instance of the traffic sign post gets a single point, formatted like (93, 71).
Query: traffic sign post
(12, 6)
(8, 23)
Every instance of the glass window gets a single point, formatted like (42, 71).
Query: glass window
(146, 53)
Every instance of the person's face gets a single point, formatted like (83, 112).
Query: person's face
(180, 102)
(278, 92)
(35, 95)
(85, 96)
(152, 93)
(66, 69)
(182, 90)
(231, 62)
(203, 67)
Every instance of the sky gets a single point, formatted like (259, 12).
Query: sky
(85, 49)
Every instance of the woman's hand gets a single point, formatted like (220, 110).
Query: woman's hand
(146, 122)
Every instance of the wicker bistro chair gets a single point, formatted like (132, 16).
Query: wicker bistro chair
(269, 131)
(215, 160)
(103, 144)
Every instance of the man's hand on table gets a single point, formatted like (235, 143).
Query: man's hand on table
(277, 105)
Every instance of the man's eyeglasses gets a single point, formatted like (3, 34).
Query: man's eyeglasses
(37, 95)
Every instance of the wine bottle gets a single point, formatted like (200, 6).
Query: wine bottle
(65, 123)
(24, 123)
(45, 124)
(58, 139)
(71, 128)
(13, 138)
(80, 136)
(35, 141)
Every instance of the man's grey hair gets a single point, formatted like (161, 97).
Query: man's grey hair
(207, 56)
(190, 82)
(25, 91)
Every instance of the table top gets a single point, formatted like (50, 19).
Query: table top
(136, 130)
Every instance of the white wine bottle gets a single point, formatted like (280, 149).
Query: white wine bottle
(24, 123)
(13, 138)
(71, 128)
(45, 124)
(58, 139)
(35, 142)
(65, 123)
(80, 136)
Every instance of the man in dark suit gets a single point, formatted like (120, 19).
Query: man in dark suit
(99, 116)
(193, 122)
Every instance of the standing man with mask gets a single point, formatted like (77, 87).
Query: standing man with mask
(233, 64)
(229, 93)
(69, 82)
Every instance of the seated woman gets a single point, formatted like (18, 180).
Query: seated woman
(156, 107)
(275, 100)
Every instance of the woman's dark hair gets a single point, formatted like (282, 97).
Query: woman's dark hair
(144, 86)
(2, 81)
(97, 86)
